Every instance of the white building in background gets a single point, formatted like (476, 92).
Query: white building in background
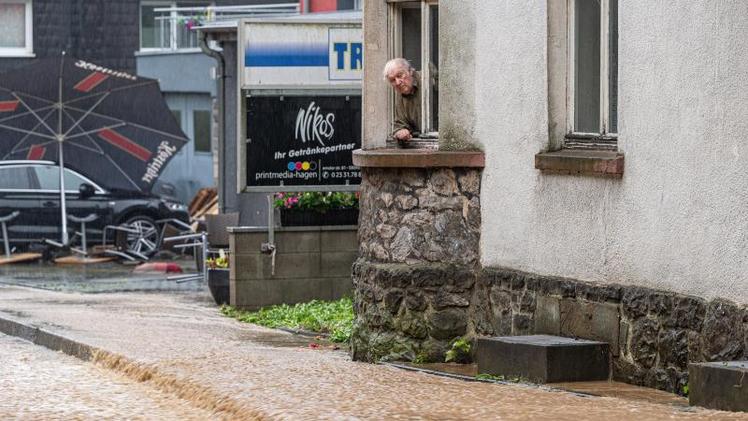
(614, 161)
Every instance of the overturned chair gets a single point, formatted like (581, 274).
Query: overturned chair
(9, 257)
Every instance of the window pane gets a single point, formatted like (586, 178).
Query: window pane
(587, 66)
(154, 27)
(434, 66)
(411, 31)
(186, 37)
(13, 17)
(201, 120)
(346, 4)
(49, 178)
(613, 66)
(14, 178)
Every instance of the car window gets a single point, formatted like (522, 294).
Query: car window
(16, 178)
(49, 178)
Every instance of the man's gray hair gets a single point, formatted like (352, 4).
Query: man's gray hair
(396, 64)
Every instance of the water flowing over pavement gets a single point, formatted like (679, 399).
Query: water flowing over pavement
(36, 383)
(178, 344)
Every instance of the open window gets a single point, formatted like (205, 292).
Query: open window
(414, 35)
(16, 38)
(592, 72)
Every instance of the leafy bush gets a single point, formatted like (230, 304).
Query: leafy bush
(317, 201)
(459, 352)
(332, 317)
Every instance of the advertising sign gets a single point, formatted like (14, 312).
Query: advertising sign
(312, 54)
(302, 141)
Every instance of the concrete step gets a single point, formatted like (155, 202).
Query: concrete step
(543, 358)
(719, 385)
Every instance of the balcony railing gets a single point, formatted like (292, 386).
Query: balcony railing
(170, 28)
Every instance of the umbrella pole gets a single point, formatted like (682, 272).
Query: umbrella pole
(63, 209)
(60, 143)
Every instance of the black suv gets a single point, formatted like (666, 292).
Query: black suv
(33, 189)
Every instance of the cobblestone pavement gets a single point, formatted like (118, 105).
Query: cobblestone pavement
(36, 383)
(178, 344)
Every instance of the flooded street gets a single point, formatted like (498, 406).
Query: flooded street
(159, 351)
(36, 383)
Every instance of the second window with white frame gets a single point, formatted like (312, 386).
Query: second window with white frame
(592, 101)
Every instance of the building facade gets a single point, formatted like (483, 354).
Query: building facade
(588, 182)
(143, 37)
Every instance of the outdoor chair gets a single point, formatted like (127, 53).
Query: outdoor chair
(82, 233)
(4, 222)
(118, 250)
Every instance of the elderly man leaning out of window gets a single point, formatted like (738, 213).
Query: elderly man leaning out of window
(405, 80)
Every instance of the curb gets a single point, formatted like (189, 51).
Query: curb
(47, 339)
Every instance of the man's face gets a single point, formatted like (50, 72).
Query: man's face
(401, 80)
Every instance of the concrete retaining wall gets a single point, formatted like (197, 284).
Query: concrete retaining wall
(310, 263)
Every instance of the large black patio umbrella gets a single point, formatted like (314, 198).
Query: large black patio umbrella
(111, 126)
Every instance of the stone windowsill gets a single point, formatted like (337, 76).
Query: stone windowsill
(417, 158)
(581, 162)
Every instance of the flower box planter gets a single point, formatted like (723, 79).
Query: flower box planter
(304, 217)
(218, 283)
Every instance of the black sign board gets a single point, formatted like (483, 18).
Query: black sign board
(302, 141)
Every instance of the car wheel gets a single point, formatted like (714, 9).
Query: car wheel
(145, 236)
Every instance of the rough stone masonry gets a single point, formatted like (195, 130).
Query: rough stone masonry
(418, 285)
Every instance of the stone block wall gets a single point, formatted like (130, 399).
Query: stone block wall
(418, 285)
(310, 263)
(419, 232)
(420, 215)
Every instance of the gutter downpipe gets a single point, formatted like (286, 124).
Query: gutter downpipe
(221, 94)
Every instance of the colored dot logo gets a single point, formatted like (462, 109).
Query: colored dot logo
(302, 166)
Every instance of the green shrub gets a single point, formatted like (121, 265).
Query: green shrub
(330, 317)
(459, 352)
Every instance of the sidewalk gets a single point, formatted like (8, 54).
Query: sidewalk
(179, 344)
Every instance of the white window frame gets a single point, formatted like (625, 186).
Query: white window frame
(604, 122)
(396, 50)
(173, 27)
(28, 49)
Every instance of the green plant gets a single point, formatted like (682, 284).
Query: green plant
(684, 390)
(220, 262)
(459, 351)
(421, 358)
(317, 201)
(332, 317)
(489, 377)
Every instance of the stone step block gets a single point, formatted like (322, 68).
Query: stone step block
(719, 385)
(543, 358)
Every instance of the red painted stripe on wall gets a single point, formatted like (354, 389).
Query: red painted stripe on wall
(6, 106)
(125, 144)
(91, 81)
(36, 152)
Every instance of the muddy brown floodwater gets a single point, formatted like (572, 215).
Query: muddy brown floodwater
(183, 353)
(39, 384)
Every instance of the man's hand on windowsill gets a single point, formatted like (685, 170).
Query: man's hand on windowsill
(402, 135)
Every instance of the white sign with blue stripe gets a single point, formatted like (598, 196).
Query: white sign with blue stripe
(301, 54)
